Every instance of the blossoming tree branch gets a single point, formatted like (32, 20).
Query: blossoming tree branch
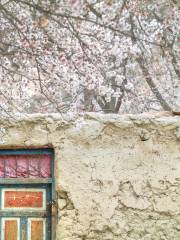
(112, 56)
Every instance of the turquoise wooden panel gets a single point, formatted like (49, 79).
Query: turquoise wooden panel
(27, 183)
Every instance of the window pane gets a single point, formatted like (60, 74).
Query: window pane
(25, 166)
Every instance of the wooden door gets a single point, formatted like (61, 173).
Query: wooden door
(25, 202)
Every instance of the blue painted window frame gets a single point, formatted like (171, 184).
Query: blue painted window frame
(48, 184)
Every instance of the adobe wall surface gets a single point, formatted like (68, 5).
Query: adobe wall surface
(117, 177)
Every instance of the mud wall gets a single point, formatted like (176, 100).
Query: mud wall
(117, 177)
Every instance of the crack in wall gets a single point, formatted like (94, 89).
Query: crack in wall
(117, 177)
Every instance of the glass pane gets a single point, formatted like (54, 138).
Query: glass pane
(1, 167)
(45, 166)
(10, 167)
(34, 166)
(25, 166)
(22, 166)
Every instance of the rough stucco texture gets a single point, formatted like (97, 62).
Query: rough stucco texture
(117, 177)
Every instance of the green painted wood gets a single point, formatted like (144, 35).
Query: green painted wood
(45, 183)
(25, 180)
(24, 215)
(26, 151)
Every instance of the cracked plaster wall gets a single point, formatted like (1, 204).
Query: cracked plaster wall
(117, 177)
